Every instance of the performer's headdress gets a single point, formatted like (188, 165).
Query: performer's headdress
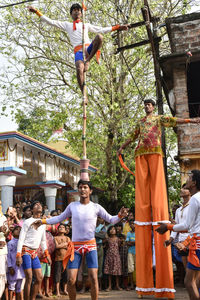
(75, 5)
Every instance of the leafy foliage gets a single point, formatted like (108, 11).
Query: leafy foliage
(41, 88)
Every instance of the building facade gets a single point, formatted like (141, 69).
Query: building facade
(31, 170)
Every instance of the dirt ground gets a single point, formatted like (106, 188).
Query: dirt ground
(180, 294)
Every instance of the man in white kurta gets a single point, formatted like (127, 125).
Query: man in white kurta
(29, 241)
(192, 225)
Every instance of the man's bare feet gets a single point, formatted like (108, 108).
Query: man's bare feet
(58, 295)
(47, 295)
(65, 292)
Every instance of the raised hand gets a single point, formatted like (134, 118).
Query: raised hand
(162, 228)
(124, 212)
(32, 9)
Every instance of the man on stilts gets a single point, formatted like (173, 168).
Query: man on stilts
(151, 206)
(74, 31)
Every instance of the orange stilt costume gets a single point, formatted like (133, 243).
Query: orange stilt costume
(151, 205)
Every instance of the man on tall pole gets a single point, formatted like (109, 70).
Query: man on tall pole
(74, 30)
(151, 206)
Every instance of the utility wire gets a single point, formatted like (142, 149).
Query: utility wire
(141, 96)
(18, 3)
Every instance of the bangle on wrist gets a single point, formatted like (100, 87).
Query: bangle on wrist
(18, 254)
(116, 27)
(38, 13)
(170, 226)
(187, 121)
(120, 216)
(46, 252)
(44, 221)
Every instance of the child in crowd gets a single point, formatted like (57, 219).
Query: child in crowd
(61, 241)
(46, 263)
(130, 239)
(127, 228)
(123, 251)
(15, 274)
(112, 265)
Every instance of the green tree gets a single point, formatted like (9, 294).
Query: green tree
(41, 88)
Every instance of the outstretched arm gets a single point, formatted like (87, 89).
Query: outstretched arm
(112, 219)
(58, 24)
(183, 121)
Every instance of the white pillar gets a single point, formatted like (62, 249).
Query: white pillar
(7, 182)
(50, 194)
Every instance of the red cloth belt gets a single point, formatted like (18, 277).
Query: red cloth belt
(192, 257)
(28, 251)
(76, 246)
(80, 47)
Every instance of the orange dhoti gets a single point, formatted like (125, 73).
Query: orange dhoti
(151, 207)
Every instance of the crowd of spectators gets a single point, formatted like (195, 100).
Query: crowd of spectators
(115, 247)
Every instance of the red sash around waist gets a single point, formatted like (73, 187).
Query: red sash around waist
(80, 247)
(80, 47)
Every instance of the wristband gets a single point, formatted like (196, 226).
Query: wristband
(39, 13)
(46, 252)
(44, 221)
(116, 27)
(120, 216)
(187, 120)
(18, 254)
(170, 226)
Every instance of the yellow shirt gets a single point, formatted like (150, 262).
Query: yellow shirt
(148, 130)
(126, 228)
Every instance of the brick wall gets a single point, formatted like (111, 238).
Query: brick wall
(184, 33)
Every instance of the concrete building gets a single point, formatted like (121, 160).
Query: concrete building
(31, 170)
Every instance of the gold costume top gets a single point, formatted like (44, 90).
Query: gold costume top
(148, 131)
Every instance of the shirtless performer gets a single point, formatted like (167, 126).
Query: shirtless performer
(74, 30)
(84, 215)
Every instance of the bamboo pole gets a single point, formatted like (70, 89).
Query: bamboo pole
(84, 86)
(84, 163)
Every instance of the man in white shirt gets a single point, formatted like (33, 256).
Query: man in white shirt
(181, 215)
(84, 215)
(192, 225)
(74, 31)
(29, 241)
